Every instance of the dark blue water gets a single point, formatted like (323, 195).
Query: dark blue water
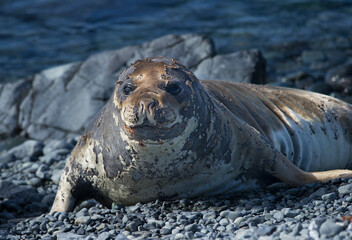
(37, 34)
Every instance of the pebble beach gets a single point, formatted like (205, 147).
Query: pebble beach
(316, 211)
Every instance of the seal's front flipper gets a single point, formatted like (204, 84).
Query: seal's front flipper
(287, 172)
(64, 201)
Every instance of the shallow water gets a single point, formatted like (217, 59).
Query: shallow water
(37, 34)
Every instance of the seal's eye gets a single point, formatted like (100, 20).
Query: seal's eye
(128, 89)
(173, 89)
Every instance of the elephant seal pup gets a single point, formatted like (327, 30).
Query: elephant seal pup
(166, 135)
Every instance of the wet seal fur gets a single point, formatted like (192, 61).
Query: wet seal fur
(166, 135)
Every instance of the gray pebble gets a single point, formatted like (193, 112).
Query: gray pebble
(43, 172)
(289, 213)
(189, 235)
(238, 220)
(105, 236)
(30, 148)
(133, 208)
(68, 236)
(329, 197)
(121, 236)
(55, 144)
(345, 189)
(224, 222)
(179, 236)
(82, 212)
(165, 230)
(279, 216)
(330, 228)
(83, 220)
(318, 193)
(230, 214)
(132, 226)
(209, 215)
(314, 226)
(34, 182)
(191, 227)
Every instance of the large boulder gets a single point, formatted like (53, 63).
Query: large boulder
(247, 66)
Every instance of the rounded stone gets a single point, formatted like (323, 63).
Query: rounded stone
(345, 189)
(330, 228)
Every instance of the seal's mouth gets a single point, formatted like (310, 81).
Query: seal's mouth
(148, 131)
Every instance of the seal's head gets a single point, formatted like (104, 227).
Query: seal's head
(155, 98)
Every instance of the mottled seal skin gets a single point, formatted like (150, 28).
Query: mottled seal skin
(166, 135)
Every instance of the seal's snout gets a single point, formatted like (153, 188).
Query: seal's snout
(147, 105)
(149, 112)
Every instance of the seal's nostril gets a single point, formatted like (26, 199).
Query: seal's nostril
(147, 104)
(151, 105)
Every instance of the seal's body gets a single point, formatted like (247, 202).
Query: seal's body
(165, 135)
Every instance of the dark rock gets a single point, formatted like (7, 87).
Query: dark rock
(62, 216)
(43, 172)
(320, 87)
(340, 78)
(190, 49)
(81, 231)
(282, 84)
(48, 199)
(165, 230)
(6, 215)
(230, 214)
(34, 182)
(30, 148)
(244, 66)
(8, 189)
(54, 156)
(39, 207)
(318, 193)
(329, 228)
(11, 94)
(83, 212)
(300, 80)
(132, 226)
(345, 189)
(54, 144)
(290, 213)
(293, 191)
(191, 227)
(329, 197)
(6, 158)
